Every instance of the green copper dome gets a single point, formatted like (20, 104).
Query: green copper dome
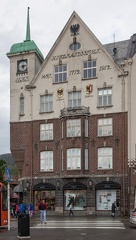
(25, 46)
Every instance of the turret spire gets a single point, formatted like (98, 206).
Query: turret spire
(28, 37)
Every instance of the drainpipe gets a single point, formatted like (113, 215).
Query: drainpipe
(123, 142)
(31, 147)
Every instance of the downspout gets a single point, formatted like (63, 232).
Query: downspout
(123, 142)
(31, 147)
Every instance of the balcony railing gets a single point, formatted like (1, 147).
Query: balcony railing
(75, 111)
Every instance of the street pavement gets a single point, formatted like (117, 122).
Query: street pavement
(56, 225)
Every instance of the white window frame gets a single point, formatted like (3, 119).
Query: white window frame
(73, 127)
(74, 159)
(60, 72)
(46, 131)
(104, 97)
(74, 99)
(105, 127)
(46, 161)
(105, 158)
(86, 159)
(46, 103)
(89, 69)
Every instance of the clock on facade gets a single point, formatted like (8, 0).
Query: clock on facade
(22, 66)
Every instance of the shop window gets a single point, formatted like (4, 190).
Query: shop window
(47, 195)
(77, 197)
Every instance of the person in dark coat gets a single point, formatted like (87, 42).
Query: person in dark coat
(113, 209)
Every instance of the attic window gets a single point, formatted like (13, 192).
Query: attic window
(75, 46)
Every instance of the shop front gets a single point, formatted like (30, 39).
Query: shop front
(44, 191)
(106, 194)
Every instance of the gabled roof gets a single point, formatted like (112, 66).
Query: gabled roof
(74, 14)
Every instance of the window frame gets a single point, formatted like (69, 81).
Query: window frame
(46, 104)
(105, 129)
(74, 99)
(73, 127)
(107, 157)
(48, 159)
(105, 100)
(60, 75)
(89, 72)
(46, 131)
(71, 157)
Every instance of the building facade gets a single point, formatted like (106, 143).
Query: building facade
(69, 121)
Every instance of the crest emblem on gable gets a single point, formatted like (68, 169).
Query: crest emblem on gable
(74, 29)
(89, 88)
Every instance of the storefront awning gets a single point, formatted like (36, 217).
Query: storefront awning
(18, 188)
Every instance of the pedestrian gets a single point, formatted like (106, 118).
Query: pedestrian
(70, 210)
(42, 207)
(30, 210)
(22, 207)
(17, 210)
(113, 209)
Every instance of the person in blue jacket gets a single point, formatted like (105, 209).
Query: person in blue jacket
(22, 207)
(31, 209)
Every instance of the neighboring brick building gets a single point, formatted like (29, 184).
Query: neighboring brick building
(69, 121)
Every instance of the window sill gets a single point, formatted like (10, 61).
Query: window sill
(93, 78)
(60, 82)
(21, 115)
(46, 112)
(108, 106)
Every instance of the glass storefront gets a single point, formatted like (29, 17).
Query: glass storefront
(48, 195)
(77, 197)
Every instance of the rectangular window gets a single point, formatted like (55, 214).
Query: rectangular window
(86, 159)
(74, 128)
(46, 161)
(105, 97)
(73, 158)
(46, 131)
(74, 99)
(86, 127)
(60, 73)
(89, 69)
(105, 158)
(105, 127)
(46, 103)
(21, 105)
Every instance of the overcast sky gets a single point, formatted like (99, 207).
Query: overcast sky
(47, 19)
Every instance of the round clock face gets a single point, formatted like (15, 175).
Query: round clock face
(22, 66)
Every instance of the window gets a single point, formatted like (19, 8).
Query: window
(105, 97)
(86, 159)
(74, 99)
(86, 127)
(74, 158)
(60, 73)
(74, 128)
(74, 46)
(46, 131)
(21, 104)
(105, 127)
(105, 158)
(46, 161)
(46, 103)
(89, 69)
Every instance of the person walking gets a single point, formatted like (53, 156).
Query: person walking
(30, 210)
(42, 207)
(70, 210)
(113, 209)
(22, 207)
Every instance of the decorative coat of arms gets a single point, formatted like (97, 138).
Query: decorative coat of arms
(75, 29)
